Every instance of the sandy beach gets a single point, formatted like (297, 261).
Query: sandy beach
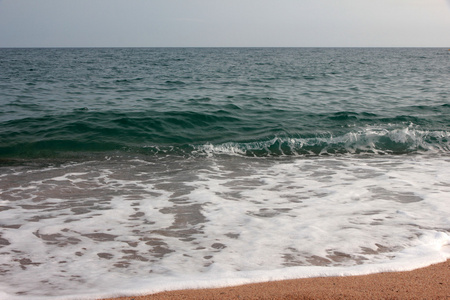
(427, 283)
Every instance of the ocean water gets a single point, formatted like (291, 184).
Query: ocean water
(130, 171)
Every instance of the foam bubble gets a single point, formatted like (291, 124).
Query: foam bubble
(131, 226)
(370, 139)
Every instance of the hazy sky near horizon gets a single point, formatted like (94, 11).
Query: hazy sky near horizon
(224, 23)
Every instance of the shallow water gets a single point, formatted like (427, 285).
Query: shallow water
(64, 226)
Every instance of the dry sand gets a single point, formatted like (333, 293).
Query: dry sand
(426, 283)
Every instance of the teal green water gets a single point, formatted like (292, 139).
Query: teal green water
(256, 102)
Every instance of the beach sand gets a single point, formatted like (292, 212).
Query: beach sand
(427, 283)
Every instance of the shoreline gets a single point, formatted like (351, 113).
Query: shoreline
(432, 282)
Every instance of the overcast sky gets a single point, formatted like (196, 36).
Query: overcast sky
(224, 23)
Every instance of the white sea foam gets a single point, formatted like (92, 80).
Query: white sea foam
(370, 139)
(121, 227)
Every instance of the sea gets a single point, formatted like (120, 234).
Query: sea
(128, 171)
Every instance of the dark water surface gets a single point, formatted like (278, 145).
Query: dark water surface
(254, 101)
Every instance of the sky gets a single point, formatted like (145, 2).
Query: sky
(225, 23)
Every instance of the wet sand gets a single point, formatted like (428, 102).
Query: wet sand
(427, 283)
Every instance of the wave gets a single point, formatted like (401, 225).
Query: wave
(368, 141)
(378, 141)
(228, 129)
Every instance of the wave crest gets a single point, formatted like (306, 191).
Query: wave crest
(374, 141)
